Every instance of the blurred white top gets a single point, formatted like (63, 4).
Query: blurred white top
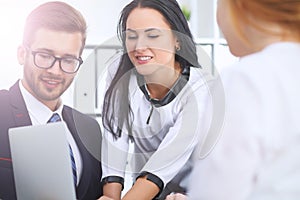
(257, 157)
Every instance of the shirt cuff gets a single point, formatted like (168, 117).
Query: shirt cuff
(154, 179)
(113, 179)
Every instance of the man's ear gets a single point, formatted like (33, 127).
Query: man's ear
(21, 54)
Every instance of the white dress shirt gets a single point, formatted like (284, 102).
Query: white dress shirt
(257, 157)
(40, 114)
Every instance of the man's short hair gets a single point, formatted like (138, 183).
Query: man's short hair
(56, 16)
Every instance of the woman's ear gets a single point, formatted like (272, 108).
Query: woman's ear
(21, 54)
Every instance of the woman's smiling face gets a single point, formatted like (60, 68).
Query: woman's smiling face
(150, 41)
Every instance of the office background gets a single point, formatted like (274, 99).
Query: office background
(102, 44)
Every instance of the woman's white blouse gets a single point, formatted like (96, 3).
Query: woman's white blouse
(165, 145)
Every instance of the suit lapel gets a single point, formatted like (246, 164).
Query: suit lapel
(18, 106)
(68, 116)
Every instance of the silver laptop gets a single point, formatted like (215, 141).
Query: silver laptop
(41, 162)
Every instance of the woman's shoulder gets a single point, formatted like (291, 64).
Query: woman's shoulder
(199, 77)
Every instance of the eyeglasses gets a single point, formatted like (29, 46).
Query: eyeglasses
(44, 60)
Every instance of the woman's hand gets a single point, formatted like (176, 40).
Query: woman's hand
(176, 196)
(105, 198)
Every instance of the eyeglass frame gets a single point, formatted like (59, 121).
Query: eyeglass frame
(59, 59)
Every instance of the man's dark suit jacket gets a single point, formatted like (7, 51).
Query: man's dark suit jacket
(85, 130)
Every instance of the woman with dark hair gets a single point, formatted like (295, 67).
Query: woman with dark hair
(155, 99)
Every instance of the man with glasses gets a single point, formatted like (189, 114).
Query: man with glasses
(53, 41)
(68, 64)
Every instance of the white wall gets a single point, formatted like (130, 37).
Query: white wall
(101, 17)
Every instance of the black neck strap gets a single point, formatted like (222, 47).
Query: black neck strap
(172, 93)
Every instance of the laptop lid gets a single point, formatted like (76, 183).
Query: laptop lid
(41, 162)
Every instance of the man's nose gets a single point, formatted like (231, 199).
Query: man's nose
(55, 69)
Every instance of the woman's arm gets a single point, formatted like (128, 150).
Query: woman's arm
(142, 189)
(114, 158)
(112, 190)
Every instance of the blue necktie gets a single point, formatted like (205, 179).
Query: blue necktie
(56, 118)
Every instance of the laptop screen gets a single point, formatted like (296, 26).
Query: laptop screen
(41, 162)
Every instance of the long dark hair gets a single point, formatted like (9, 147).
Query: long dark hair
(116, 107)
